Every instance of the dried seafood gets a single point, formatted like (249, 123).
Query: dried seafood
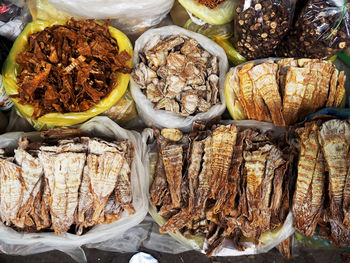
(178, 75)
(287, 90)
(323, 184)
(210, 3)
(69, 68)
(233, 185)
(59, 183)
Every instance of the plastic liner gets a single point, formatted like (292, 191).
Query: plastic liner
(129, 16)
(165, 242)
(51, 120)
(111, 235)
(162, 118)
(222, 14)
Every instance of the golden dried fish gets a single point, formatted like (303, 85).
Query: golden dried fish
(283, 66)
(340, 93)
(173, 161)
(309, 192)
(177, 222)
(296, 81)
(171, 134)
(11, 189)
(246, 88)
(224, 140)
(332, 88)
(334, 136)
(41, 207)
(264, 79)
(63, 172)
(31, 174)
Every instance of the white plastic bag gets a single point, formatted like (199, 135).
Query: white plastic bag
(17, 243)
(162, 118)
(168, 245)
(126, 15)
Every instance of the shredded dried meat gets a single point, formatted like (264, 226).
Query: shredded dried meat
(69, 68)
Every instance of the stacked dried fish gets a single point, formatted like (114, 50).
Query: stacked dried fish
(69, 68)
(322, 195)
(178, 75)
(221, 182)
(287, 90)
(81, 181)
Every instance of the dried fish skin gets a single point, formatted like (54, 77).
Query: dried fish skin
(264, 79)
(173, 161)
(309, 192)
(64, 172)
(224, 140)
(11, 190)
(334, 136)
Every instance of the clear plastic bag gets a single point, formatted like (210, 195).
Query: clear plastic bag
(260, 26)
(162, 118)
(269, 239)
(321, 30)
(222, 14)
(10, 70)
(127, 15)
(16, 243)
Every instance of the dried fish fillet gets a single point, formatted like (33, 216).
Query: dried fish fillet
(11, 189)
(63, 172)
(246, 88)
(264, 79)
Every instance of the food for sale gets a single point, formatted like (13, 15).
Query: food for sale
(178, 75)
(321, 30)
(210, 3)
(59, 183)
(284, 91)
(321, 196)
(69, 68)
(260, 25)
(221, 182)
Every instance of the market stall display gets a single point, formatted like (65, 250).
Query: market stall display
(222, 181)
(321, 196)
(283, 91)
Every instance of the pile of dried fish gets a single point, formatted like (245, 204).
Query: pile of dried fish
(178, 75)
(221, 183)
(82, 181)
(69, 68)
(287, 90)
(210, 3)
(322, 195)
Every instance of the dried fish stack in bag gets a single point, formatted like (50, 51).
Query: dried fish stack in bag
(178, 78)
(223, 182)
(85, 189)
(283, 91)
(321, 198)
(260, 26)
(321, 30)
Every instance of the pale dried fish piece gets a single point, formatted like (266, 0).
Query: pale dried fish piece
(190, 48)
(174, 86)
(283, 66)
(31, 174)
(203, 105)
(296, 80)
(68, 147)
(340, 93)
(332, 89)
(224, 140)
(214, 65)
(173, 161)
(214, 83)
(172, 134)
(63, 172)
(168, 105)
(103, 171)
(190, 102)
(176, 62)
(113, 209)
(154, 93)
(264, 79)
(156, 59)
(97, 146)
(246, 90)
(334, 136)
(11, 189)
(41, 207)
(169, 43)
